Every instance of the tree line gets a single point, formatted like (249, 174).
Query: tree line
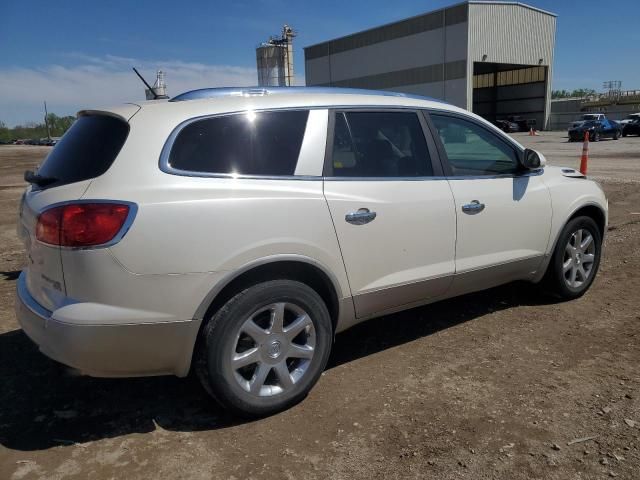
(578, 93)
(33, 130)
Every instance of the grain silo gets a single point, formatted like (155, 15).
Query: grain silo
(274, 60)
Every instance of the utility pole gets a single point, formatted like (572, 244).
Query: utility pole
(46, 121)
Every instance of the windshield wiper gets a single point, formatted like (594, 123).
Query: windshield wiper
(40, 180)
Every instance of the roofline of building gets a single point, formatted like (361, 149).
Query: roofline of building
(519, 4)
(468, 2)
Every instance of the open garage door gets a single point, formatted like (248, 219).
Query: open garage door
(506, 91)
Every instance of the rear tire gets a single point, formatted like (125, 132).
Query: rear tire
(265, 349)
(595, 137)
(616, 135)
(575, 260)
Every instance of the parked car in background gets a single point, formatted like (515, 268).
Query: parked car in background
(236, 231)
(507, 126)
(631, 128)
(523, 124)
(630, 118)
(588, 117)
(597, 129)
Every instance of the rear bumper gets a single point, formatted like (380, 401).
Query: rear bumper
(107, 350)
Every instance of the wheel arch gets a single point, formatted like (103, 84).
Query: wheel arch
(591, 210)
(289, 267)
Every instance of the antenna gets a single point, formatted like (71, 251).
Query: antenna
(46, 121)
(153, 92)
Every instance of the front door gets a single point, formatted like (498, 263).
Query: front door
(394, 219)
(503, 212)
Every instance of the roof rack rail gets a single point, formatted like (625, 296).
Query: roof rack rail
(263, 91)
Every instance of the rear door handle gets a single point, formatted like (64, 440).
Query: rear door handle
(361, 217)
(472, 208)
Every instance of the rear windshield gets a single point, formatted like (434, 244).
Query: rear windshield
(86, 151)
(251, 143)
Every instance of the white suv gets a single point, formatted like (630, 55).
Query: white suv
(237, 231)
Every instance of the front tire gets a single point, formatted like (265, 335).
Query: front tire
(576, 258)
(616, 135)
(595, 137)
(265, 349)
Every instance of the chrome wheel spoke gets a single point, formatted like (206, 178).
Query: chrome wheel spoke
(300, 351)
(254, 331)
(572, 278)
(277, 318)
(284, 377)
(586, 242)
(245, 358)
(588, 258)
(578, 238)
(297, 326)
(259, 376)
(567, 265)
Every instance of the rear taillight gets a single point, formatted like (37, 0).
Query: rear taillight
(81, 224)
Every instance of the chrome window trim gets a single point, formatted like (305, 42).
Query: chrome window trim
(133, 211)
(532, 173)
(168, 145)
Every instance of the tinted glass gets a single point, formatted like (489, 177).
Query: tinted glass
(380, 144)
(474, 150)
(86, 151)
(266, 143)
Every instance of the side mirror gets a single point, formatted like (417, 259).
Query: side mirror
(533, 160)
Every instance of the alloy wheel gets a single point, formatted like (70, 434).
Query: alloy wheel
(273, 349)
(579, 257)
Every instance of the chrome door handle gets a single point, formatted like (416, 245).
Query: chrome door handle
(472, 208)
(361, 217)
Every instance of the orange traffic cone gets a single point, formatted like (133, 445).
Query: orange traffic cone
(585, 154)
(532, 132)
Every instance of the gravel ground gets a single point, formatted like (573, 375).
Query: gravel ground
(505, 383)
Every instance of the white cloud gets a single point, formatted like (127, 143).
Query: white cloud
(95, 81)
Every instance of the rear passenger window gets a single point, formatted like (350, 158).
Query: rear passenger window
(379, 144)
(252, 143)
(473, 150)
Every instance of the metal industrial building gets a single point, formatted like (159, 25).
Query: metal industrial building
(493, 58)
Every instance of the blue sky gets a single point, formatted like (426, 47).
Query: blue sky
(79, 53)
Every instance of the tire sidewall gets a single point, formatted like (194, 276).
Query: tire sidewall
(221, 338)
(586, 223)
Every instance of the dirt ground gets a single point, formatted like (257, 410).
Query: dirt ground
(504, 384)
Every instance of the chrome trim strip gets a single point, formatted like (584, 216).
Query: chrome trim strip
(133, 211)
(27, 299)
(369, 303)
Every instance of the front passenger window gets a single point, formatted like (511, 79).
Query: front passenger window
(474, 150)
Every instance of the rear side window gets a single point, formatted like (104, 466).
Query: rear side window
(252, 143)
(379, 144)
(86, 151)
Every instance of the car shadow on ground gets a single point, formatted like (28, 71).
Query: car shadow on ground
(44, 405)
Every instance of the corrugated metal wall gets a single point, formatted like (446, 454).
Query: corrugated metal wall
(424, 55)
(513, 34)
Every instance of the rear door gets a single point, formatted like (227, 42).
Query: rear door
(86, 151)
(392, 210)
(503, 212)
